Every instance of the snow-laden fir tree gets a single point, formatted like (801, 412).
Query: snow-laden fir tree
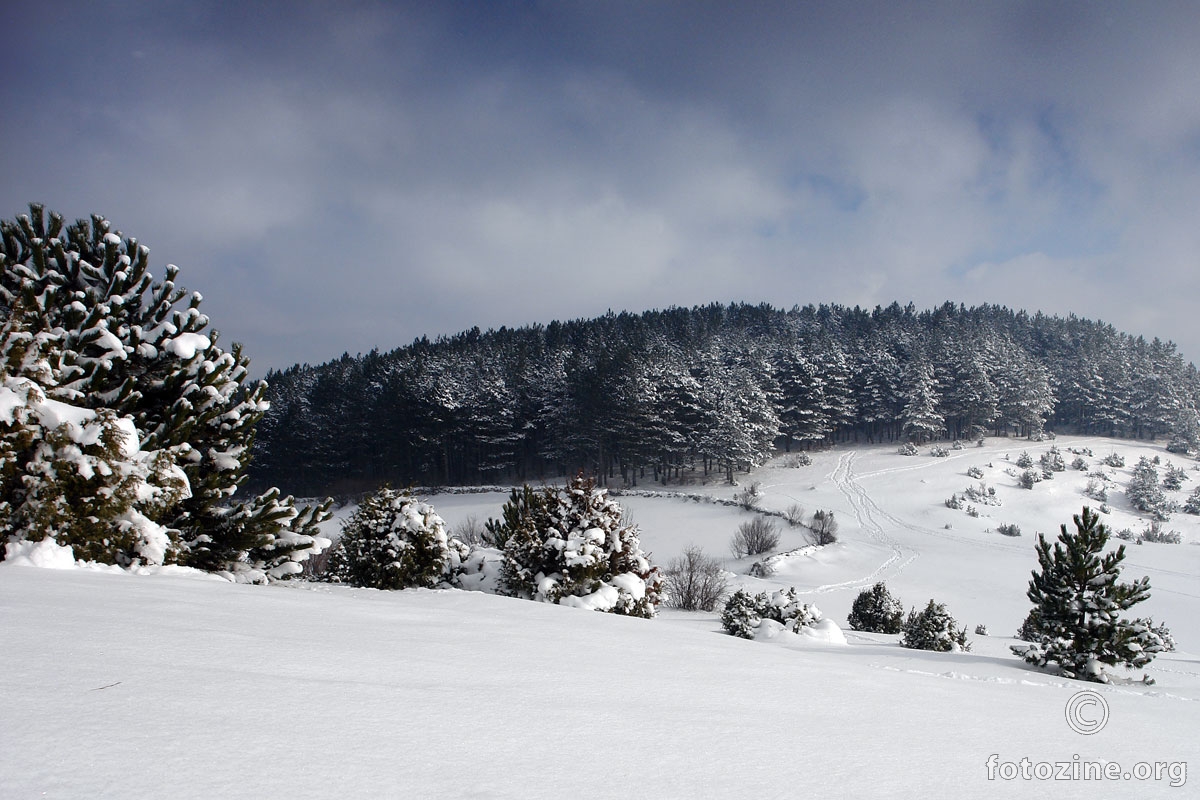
(744, 612)
(572, 546)
(394, 541)
(876, 610)
(112, 340)
(920, 419)
(1078, 601)
(933, 628)
(1144, 492)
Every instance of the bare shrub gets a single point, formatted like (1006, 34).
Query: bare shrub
(750, 497)
(469, 531)
(694, 581)
(823, 528)
(756, 536)
(794, 515)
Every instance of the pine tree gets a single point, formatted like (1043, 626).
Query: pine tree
(1078, 603)
(920, 418)
(394, 541)
(571, 546)
(876, 610)
(1144, 492)
(933, 628)
(121, 342)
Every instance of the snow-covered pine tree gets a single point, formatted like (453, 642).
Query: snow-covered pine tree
(1144, 492)
(1078, 602)
(933, 628)
(394, 541)
(920, 419)
(571, 546)
(876, 610)
(121, 342)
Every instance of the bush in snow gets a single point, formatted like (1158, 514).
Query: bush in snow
(1096, 490)
(933, 628)
(975, 472)
(1028, 479)
(981, 630)
(908, 449)
(394, 541)
(1114, 459)
(1079, 601)
(694, 581)
(1031, 627)
(798, 460)
(743, 612)
(1156, 535)
(1173, 478)
(937, 451)
(954, 501)
(86, 324)
(571, 546)
(749, 498)
(823, 529)
(982, 494)
(1079, 463)
(794, 515)
(1052, 461)
(876, 610)
(1192, 506)
(1144, 492)
(755, 537)
(1008, 529)
(1024, 461)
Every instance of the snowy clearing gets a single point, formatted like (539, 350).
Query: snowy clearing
(178, 685)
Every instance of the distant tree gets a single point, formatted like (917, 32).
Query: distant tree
(933, 628)
(876, 610)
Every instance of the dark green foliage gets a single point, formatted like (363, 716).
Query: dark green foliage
(876, 610)
(394, 541)
(689, 392)
(743, 612)
(115, 341)
(933, 628)
(571, 546)
(1031, 627)
(1078, 602)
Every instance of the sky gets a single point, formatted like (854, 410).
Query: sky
(341, 176)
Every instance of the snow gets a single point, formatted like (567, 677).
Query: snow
(186, 345)
(159, 685)
(47, 554)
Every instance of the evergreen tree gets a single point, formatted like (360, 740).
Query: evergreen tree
(920, 418)
(394, 541)
(571, 546)
(876, 610)
(1144, 492)
(932, 628)
(1078, 601)
(122, 343)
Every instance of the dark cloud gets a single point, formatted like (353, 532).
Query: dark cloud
(340, 176)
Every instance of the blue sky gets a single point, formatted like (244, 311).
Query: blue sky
(340, 176)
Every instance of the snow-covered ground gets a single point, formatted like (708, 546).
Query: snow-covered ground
(179, 685)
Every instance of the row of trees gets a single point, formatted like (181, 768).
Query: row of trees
(712, 388)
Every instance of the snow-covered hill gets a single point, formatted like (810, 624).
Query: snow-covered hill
(179, 685)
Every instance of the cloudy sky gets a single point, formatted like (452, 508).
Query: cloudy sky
(340, 176)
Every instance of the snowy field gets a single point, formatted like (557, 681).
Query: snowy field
(181, 685)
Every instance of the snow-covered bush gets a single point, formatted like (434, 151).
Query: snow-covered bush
(1008, 529)
(794, 515)
(1079, 463)
(394, 541)
(1029, 478)
(798, 460)
(744, 613)
(937, 451)
(957, 444)
(975, 472)
(981, 630)
(85, 322)
(1192, 505)
(1114, 459)
(1143, 490)
(1173, 478)
(749, 498)
(1024, 461)
(755, 537)
(876, 610)
(1079, 601)
(908, 449)
(983, 494)
(1156, 535)
(1052, 461)
(571, 546)
(694, 581)
(1096, 490)
(954, 501)
(933, 628)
